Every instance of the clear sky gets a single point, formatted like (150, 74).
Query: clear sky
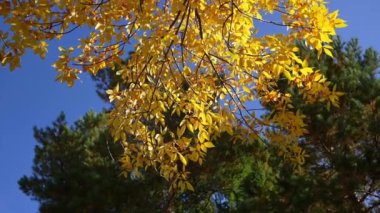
(30, 97)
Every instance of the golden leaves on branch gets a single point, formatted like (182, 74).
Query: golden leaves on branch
(197, 68)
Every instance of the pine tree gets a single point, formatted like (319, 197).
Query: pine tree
(76, 170)
(341, 173)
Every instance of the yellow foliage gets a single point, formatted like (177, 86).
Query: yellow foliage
(201, 62)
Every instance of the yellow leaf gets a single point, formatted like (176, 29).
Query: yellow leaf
(189, 186)
(194, 156)
(203, 136)
(288, 76)
(340, 23)
(246, 89)
(328, 52)
(183, 159)
(209, 145)
(180, 131)
(267, 75)
(190, 127)
(203, 148)
(305, 63)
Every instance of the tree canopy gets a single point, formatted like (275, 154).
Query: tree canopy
(340, 174)
(203, 61)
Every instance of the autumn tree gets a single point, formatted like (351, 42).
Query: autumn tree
(212, 47)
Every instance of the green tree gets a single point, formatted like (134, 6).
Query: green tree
(342, 172)
(347, 139)
(76, 170)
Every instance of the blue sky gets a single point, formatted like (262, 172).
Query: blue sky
(30, 97)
